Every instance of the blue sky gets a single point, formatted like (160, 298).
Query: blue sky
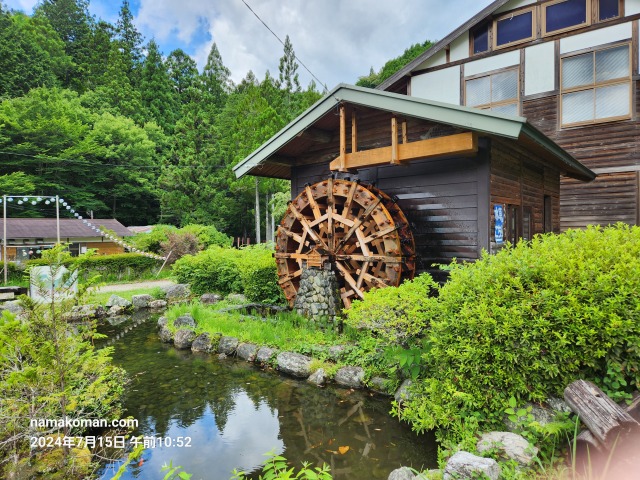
(338, 40)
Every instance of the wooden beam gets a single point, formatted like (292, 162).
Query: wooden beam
(394, 141)
(461, 144)
(354, 133)
(404, 131)
(343, 140)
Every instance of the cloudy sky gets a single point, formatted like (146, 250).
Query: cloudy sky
(338, 40)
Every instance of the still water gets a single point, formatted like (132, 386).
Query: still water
(233, 413)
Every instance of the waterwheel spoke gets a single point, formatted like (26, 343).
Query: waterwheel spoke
(356, 226)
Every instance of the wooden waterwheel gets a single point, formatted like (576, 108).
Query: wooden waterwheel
(357, 229)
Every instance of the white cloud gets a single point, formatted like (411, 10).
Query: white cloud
(337, 40)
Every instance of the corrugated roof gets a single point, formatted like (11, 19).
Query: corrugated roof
(467, 118)
(442, 44)
(69, 227)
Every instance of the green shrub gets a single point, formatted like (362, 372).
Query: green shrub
(397, 313)
(528, 321)
(207, 236)
(213, 270)
(251, 271)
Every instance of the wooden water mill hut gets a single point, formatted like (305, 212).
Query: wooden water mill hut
(386, 185)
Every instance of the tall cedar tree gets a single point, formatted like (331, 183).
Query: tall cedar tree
(73, 23)
(158, 96)
(130, 41)
(183, 72)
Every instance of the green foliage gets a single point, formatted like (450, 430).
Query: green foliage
(250, 270)
(50, 369)
(396, 313)
(392, 66)
(526, 322)
(277, 468)
(175, 473)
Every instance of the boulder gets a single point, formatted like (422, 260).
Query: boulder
(228, 345)
(178, 292)
(184, 338)
(402, 473)
(542, 415)
(118, 301)
(336, 352)
(403, 393)
(157, 304)
(141, 301)
(79, 313)
(236, 298)
(558, 405)
(265, 354)
(463, 465)
(210, 298)
(204, 343)
(117, 319)
(166, 335)
(350, 377)
(13, 306)
(116, 311)
(247, 351)
(511, 445)
(318, 378)
(378, 385)
(162, 322)
(294, 364)
(184, 321)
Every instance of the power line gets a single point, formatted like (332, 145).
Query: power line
(294, 55)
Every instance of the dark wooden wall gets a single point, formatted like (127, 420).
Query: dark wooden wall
(519, 179)
(440, 198)
(612, 150)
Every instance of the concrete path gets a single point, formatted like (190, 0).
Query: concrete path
(123, 287)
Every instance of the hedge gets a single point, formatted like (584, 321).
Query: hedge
(250, 271)
(526, 322)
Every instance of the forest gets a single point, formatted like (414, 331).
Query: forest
(93, 112)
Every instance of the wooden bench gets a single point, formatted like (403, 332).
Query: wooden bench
(11, 293)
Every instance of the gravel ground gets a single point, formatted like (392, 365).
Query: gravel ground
(123, 287)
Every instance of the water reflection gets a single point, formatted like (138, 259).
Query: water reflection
(234, 413)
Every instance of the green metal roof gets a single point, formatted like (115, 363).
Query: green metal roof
(467, 118)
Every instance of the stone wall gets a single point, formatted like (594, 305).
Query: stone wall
(318, 296)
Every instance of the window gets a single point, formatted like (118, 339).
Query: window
(561, 15)
(596, 86)
(608, 9)
(480, 38)
(497, 92)
(514, 28)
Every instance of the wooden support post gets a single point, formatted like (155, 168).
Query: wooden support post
(607, 422)
(354, 133)
(394, 141)
(343, 139)
(404, 131)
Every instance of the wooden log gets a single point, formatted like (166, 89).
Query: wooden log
(606, 421)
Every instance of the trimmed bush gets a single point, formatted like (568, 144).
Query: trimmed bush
(207, 236)
(526, 322)
(251, 271)
(121, 265)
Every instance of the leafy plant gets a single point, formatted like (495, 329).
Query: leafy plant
(276, 468)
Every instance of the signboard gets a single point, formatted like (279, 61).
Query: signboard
(498, 213)
(43, 287)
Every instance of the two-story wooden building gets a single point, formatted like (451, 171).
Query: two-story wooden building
(571, 68)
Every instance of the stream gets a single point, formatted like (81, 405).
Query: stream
(232, 413)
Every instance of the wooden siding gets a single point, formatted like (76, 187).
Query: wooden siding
(105, 248)
(518, 179)
(439, 197)
(612, 197)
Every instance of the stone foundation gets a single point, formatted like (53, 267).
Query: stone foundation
(318, 297)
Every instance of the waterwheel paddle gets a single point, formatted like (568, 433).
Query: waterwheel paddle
(357, 228)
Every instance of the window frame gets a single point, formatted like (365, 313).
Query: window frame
(488, 106)
(596, 12)
(489, 26)
(543, 14)
(494, 27)
(618, 81)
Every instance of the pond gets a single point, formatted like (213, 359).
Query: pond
(233, 413)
